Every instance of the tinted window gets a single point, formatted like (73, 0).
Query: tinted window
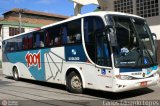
(91, 25)
(96, 41)
(38, 39)
(14, 44)
(27, 41)
(74, 32)
(55, 36)
(67, 33)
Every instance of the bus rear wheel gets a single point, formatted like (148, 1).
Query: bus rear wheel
(74, 83)
(15, 74)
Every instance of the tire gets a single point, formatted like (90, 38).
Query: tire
(74, 83)
(15, 74)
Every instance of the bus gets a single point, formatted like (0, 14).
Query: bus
(107, 51)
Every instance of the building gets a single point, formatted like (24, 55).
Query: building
(9, 24)
(26, 20)
(149, 9)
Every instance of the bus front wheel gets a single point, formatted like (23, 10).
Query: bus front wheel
(15, 74)
(74, 83)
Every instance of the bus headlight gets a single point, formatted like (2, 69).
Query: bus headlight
(124, 77)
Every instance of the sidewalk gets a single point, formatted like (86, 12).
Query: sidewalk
(1, 72)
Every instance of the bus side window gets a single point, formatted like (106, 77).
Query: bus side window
(89, 37)
(19, 43)
(86, 31)
(58, 37)
(71, 39)
(64, 35)
(47, 39)
(49, 36)
(6, 48)
(57, 41)
(25, 43)
(37, 43)
(41, 44)
(96, 43)
(30, 41)
(78, 38)
(38, 40)
(74, 32)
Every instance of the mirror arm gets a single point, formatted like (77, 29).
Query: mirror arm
(153, 34)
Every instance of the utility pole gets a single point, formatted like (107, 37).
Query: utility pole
(20, 19)
(20, 22)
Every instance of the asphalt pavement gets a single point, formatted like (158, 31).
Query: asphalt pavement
(35, 93)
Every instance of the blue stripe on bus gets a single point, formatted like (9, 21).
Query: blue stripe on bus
(75, 53)
(122, 70)
(154, 67)
(18, 57)
(72, 53)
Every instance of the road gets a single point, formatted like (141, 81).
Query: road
(34, 93)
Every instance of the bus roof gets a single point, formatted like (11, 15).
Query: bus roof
(98, 13)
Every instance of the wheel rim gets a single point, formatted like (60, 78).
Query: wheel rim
(15, 74)
(76, 82)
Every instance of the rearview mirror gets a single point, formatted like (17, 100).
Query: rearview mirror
(154, 36)
(155, 39)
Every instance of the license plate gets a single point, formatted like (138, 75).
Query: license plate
(143, 84)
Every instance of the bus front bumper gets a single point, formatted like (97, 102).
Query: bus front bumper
(126, 85)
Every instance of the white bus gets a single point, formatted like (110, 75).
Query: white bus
(106, 51)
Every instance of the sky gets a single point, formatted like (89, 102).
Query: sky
(62, 7)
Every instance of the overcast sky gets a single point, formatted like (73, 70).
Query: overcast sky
(63, 7)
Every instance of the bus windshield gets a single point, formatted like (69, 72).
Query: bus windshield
(135, 46)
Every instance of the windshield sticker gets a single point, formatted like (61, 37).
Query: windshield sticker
(124, 51)
(103, 72)
(145, 61)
